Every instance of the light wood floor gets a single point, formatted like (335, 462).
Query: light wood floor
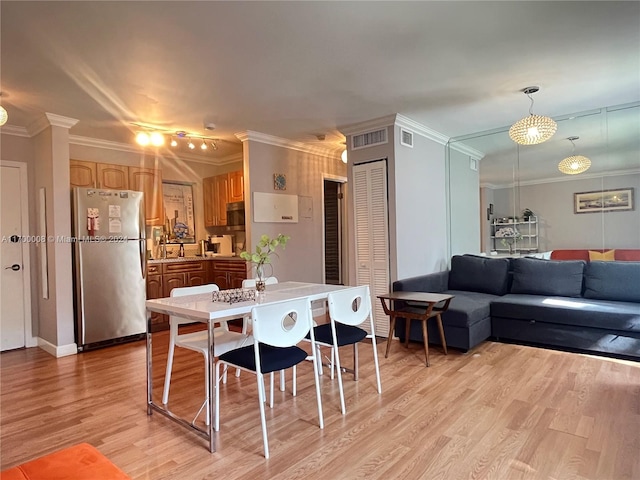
(501, 411)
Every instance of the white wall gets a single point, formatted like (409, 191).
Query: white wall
(464, 204)
(561, 228)
(418, 208)
(301, 260)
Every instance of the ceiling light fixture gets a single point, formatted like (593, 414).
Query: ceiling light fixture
(533, 129)
(4, 116)
(203, 146)
(574, 164)
(191, 145)
(143, 138)
(156, 138)
(174, 142)
(213, 145)
(344, 156)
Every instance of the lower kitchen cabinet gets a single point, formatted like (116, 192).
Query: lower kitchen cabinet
(228, 273)
(155, 290)
(164, 277)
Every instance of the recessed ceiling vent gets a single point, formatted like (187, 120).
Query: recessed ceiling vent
(369, 139)
(406, 138)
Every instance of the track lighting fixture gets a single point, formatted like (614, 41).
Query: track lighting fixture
(148, 135)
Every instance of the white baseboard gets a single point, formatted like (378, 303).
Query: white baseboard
(57, 351)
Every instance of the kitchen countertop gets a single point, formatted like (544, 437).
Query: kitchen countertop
(194, 259)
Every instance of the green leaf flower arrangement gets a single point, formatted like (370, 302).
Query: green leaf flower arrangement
(264, 249)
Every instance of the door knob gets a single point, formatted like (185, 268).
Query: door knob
(15, 267)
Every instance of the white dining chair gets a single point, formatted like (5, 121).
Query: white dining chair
(277, 329)
(348, 309)
(224, 340)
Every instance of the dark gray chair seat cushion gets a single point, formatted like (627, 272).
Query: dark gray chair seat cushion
(347, 334)
(272, 359)
(584, 312)
(612, 281)
(561, 278)
(479, 274)
(467, 308)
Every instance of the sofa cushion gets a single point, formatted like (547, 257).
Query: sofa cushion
(608, 256)
(613, 281)
(479, 274)
(467, 308)
(583, 312)
(547, 277)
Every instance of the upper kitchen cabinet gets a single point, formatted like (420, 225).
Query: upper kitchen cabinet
(149, 181)
(236, 187)
(113, 177)
(208, 194)
(98, 175)
(82, 174)
(218, 191)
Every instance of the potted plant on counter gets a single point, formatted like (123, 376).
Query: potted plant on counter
(262, 256)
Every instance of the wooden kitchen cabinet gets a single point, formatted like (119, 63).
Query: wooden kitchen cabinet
(228, 273)
(221, 194)
(208, 193)
(236, 187)
(149, 181)
(164, 277)
(218, 191)
(114, 177)
(82, 174)
(155, 290)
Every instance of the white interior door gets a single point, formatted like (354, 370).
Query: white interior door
(12, 294)
(372, 235)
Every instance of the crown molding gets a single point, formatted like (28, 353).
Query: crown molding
(14, 130)
(368, 125)
(566, 178)
(104, 144)
(467, 150)
(284, 143)
(49, 120)
(422, 130)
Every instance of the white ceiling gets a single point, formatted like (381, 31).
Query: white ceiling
(299, 69)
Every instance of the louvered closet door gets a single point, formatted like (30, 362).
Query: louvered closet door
(372, 235)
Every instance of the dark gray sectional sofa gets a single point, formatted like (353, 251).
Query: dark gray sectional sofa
(571, 305)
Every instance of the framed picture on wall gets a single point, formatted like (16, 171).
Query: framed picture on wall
(618, 200)
(180, 220)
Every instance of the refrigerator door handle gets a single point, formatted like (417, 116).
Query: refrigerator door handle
(80, 292)
(143, 258)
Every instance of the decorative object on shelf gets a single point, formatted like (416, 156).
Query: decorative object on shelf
(533, 129)
(527, 214)
(618, 200)
(508, 237)
(279, 181)
(574, 164)
(262, 256)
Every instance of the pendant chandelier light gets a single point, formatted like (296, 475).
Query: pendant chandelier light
(4, 116)
(533, 129)
(574, 164)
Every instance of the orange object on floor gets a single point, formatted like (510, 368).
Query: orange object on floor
(80, 462)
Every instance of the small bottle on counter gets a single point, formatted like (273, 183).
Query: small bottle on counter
(181, 252)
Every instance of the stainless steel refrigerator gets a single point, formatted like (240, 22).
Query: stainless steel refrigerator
(110, 268)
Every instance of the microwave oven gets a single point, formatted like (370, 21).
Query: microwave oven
(235, 214)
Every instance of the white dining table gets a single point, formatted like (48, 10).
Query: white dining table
(201, 308)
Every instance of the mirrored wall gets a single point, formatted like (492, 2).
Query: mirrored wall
(497, 187)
